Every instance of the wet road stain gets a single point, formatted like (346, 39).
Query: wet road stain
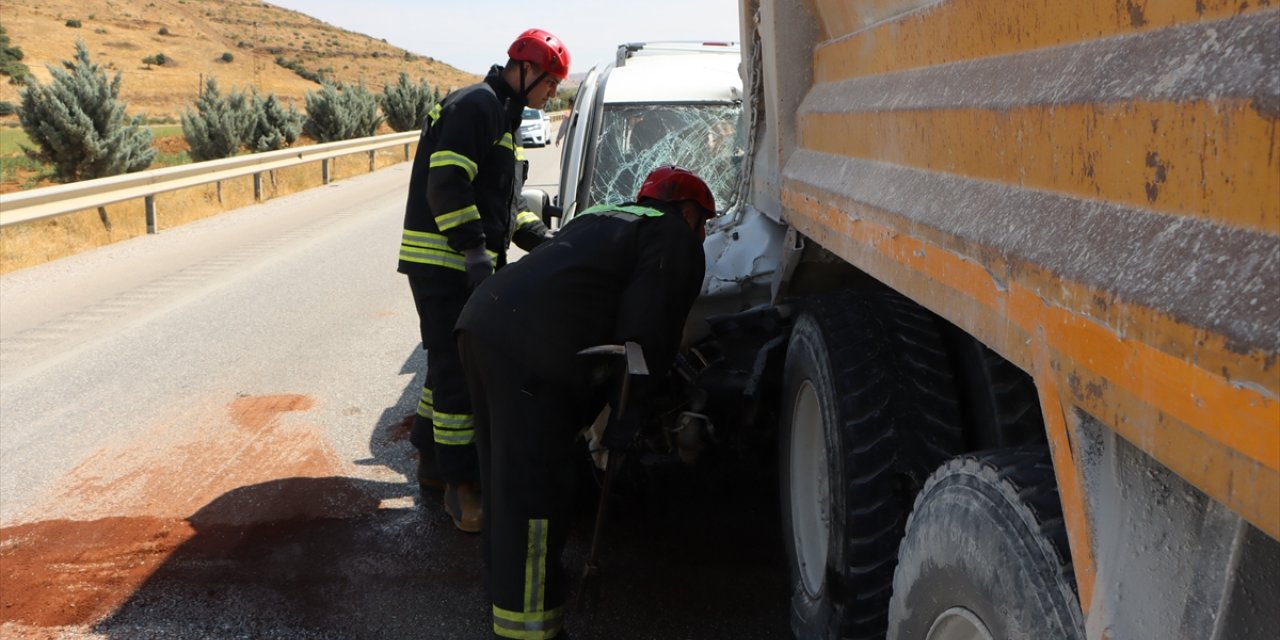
(243, 524)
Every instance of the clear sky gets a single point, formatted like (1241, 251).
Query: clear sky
(473, 34)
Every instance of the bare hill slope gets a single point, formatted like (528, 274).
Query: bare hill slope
(194, 35)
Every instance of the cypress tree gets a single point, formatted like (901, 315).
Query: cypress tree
(406, 105)
(275, 127)
(79, 124)
(220, 125)
(341, 112)
(80, 127)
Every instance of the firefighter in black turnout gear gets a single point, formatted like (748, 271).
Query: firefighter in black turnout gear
(463, 211)
(613, 274)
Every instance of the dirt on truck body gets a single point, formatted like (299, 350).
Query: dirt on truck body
(1008, 277)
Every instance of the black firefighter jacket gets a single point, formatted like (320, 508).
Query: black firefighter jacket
(607, 277)
(464, 190)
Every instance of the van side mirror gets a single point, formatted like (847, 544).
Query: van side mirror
(536, 200)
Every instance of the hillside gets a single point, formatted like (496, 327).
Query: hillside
(120, 33)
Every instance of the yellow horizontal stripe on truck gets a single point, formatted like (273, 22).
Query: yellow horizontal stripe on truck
(868, 37)
(1214, 423)
(1184, 158)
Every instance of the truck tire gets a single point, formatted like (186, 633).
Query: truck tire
(1001, 405)
(868, 412)
(986, 555)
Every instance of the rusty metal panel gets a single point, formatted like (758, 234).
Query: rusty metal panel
(943, 32)
(1091, 188)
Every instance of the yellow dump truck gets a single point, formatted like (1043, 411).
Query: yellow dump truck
(1016, 266)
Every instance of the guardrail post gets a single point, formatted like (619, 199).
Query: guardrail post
(371, 162)
(406, 153)
(150, 202)
(324, 171)
(257, 187)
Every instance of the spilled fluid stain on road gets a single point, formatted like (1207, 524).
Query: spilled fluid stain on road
(208, 490)
(240, 521)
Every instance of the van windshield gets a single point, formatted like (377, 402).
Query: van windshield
(634, 139)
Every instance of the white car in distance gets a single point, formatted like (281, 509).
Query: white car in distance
(535, 128)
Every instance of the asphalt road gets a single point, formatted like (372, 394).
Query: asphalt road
(201, 437)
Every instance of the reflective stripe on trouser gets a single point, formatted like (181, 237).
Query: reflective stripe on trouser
(534, 621)
(526, 436)
(426, 408)
(453, 428)
(445, 386)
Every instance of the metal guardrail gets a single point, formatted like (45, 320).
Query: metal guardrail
(48, 202)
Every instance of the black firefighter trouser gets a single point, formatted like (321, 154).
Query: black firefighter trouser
(527, 439)
(443, 428)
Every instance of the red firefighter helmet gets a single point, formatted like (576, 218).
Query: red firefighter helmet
(543, 49)
(670, 183)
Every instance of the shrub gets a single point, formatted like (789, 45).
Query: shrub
(296, 67)
(341, 112)
(79, 124)
(406, 105)
(164, 31)
(73, 23)
(227, 57)
(6, 108)
(220, 125)
(274, 126)
(10, 60)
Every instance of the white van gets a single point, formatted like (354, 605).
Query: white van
(657, 103)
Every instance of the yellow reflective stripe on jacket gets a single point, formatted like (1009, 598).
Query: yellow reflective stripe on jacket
(444, 158)
(506, 141)
(433, 248)
(430, 248)
(426, 405)
(519, 153)
(453, 428)
(435, 114)
(526, 217)
(452, 219)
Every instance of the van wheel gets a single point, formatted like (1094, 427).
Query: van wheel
(869, 411)
(985, 554)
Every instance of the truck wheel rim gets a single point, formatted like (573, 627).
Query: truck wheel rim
(810, 489)
(958, 623)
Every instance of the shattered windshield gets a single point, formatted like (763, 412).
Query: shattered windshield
(636, 138)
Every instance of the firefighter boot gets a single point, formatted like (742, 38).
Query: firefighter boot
(462, 503)
(427, 477)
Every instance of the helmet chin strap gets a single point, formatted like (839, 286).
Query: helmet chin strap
(529, 87)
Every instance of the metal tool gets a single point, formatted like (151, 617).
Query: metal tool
(635, 366)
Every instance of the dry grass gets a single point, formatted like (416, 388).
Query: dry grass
(33, 243)
(120, 33)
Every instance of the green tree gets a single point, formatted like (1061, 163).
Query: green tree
(405, 104)
(275, 126)
(80, 127)
(220, 125)
(11, 61)
(341, 112)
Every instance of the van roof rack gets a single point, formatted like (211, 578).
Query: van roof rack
(630, 49)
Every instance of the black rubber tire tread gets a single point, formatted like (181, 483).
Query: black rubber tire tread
(898, 419)
(1017, 403)
(1022, 485)
(1001, 403)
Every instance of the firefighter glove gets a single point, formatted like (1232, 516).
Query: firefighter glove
(478, 266)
